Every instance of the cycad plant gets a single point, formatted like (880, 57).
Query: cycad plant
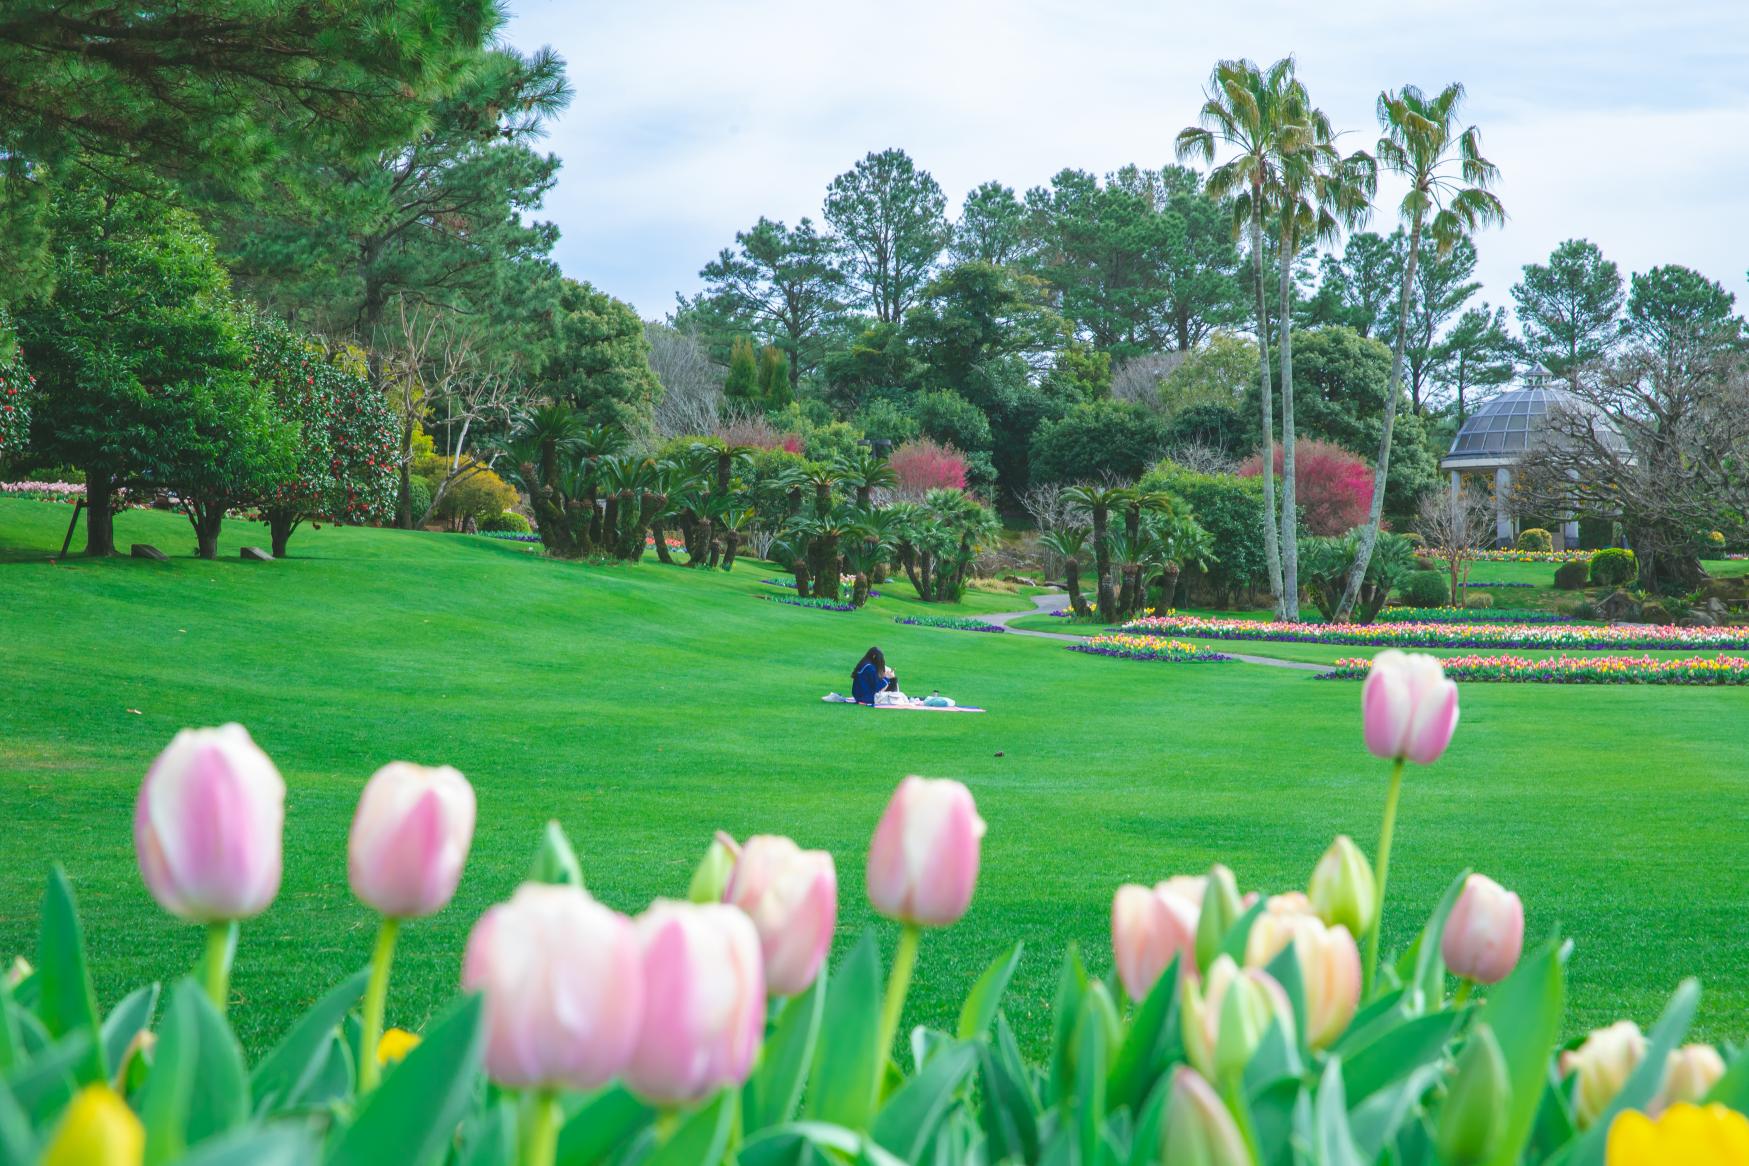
(1070, 543)
(1099, 501)
(1448, 199)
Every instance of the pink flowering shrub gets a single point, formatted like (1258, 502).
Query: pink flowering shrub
(16, 385)
(924, 465)
(1333, 486)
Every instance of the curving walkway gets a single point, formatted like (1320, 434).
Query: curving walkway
(1059, 601)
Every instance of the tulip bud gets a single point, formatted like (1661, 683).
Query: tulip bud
(1148, 929)
(1408, 707)
(1226, 1018)
(1221, 908)
(1198, 1129)
(705, 985)
(97, 1128)
(1342, 890)
(1484, 934)
(208, 826)
(1690, 1074)
(564, 987)
(923, 862)
(791, 895)
(555, 862)
(711, 876)
(1602, 1065)
(410, 839)
(1330, 972)
(1473, 1118)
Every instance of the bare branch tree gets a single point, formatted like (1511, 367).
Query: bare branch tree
(1204, 459)
(1138, 379)
(1455, 524)
(692, 387)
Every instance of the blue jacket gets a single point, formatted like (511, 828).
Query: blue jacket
(865, 682)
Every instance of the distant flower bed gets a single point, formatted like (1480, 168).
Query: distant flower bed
(1576, 669)
(1132, 647)
(816, 604)
(510, 536)
(1470, 615)
(1447, 635)
(1493, 585)
(43, 491)
(845, 584)
(1513, 556)
(674, 544)
(958, 623)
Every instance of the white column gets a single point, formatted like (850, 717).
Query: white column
(1503, 532)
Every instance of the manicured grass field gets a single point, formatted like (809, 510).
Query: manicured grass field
(645, 706)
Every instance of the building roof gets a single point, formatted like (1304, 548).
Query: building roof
(1504, 427)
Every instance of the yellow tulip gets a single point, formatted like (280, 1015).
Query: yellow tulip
(1690, 1134)
(394, 1045)
(98, 1129)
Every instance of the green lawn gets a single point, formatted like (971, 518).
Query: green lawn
(645, 706)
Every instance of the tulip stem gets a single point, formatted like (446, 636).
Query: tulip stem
(540, 1135)
(904, 963)
(1384, 871)
(376, 997)
(221, 947)
(1462, 995)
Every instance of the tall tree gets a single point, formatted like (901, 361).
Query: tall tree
(598, 360)
(991, 227)
(891, 222)
(1358, 287)
(1568, 308)
(1260, 116)
(1442, 287)
(1200, 267)
(780, 282)
(1478, 354)
(213, 94)
(1321, 193)
(1448, 199)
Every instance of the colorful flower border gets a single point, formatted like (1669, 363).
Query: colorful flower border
(1158, 648)
(1449, 615)
(1694, 670)
(957, 623)
(1666, 637)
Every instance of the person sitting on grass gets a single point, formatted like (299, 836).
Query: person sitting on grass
(870, 676)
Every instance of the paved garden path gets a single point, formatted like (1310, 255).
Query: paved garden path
(1058, 601)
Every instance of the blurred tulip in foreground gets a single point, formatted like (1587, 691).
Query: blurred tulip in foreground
(410, 839)
(1408, 706)
(1342, 889)
(1199, 1130)
(1484, 935)
(791, 895)
(1602, 1065)
(1148, 929)
(923, 862)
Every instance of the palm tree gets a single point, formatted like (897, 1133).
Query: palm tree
(867, 544)
(1070, 543)
(1321, 194)
(731, 515)
(865, 472)
(1448, 199)
(1177, 539)
(1099, 500)
(1262, 116)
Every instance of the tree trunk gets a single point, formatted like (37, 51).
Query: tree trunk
(1072, 580)
(206, 517)
(1168, 589)
(1369, 535)
(99, 514)
(608, 536)
(1290, 515)
(280, 524)
(731, 544)
(660, 538)
(1102, 566)
(799, 568)
(859, 592)
(1271, 543)
(1126, 596)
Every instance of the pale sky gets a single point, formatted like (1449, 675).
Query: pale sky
(1622, 121)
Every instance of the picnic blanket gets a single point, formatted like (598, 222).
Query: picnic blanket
(910, 705)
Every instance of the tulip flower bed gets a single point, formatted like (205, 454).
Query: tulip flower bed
(953, 622)
(510, 536)
(1665, 637)
(1512, 556)
(1131, 647)
(809, 601)
(1492, 585)
(1235, 1029)
(43, 491)
(1577, 669)
(1470, 615)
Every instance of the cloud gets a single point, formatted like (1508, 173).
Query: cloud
(1619, 121)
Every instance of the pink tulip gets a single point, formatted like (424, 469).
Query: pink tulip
(791, 895)
(706, 987)
(410, 839)
(1484, 934)
(1148, 928)
(208, 826)
(1410, 709)
(564, 987)
(1199, 1130)
(923, 862)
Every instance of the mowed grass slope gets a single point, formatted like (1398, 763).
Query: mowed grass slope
(645, 706)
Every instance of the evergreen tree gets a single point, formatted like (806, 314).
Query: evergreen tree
(598, 360)
(741, 387)
(1568, 308)
(891, 222)
(778, 282)
(774, 386)
(1476, 355)
(991, 228)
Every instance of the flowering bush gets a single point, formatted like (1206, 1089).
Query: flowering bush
(1448, 635)
(17, 387)
(44, 491)
(1578, 669)
(1470, 615)
(923, 465)
(955, 622)
(1334, 486)
(1234, 1029)
(1131, 647)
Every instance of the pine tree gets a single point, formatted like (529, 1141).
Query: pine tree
(742, 387)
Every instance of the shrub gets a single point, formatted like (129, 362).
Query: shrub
(1535, 538)
(1613, 567)
(1572, 576)
(1230, 508)
(479, 495)
(509, 522)
(1415, 541)
(1097, 439)
(1333, 486)
(1581, 608)
(924, 465)
(1480, 600)
(1425, 589)
(420, 490)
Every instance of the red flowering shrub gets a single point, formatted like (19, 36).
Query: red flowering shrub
(16, 384)
(923, 465)
(1333, 486)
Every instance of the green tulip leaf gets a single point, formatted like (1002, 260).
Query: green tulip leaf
(848, 1067)
(1374, 1019)
(1285, 970)
(1397, 1053)
(124, 1022)
(1152, 1042)
(169, 1090)
(556, 861)
(1334, 1141)
(1233, 943)
(1009, 1113)
(1643, 1084)
(775, 1088)
(218, 1100)
(286, 1073)
(489, 1136)
(1090, 1074)
(702, 1137)
(810, 1143)
(1375, 1121)
(1280, 1112)
(603, 1124)
(410, 1118)
(279, 1146)
(66, 1002)
(979, 1010)
(1065, 1018)
(44, 1085)
(1425, 977)
(17, 1144)
(913, 1114)
(1145, 1140)
(1524, 1010)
